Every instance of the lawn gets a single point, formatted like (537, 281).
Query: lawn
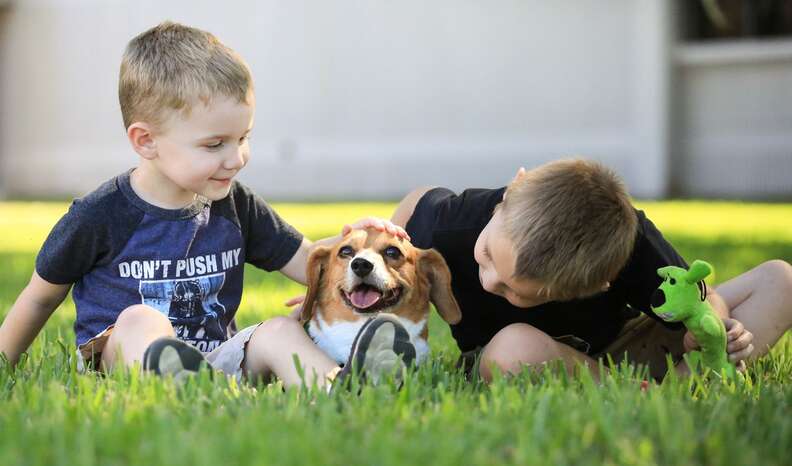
(49, 414)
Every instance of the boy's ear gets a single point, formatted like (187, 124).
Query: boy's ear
(142, 140)
(520, 173)
(317, 264)
(432, 265)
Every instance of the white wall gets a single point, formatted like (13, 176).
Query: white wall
(734, 120)
(358, 98)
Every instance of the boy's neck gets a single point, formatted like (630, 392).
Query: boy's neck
(151, 186)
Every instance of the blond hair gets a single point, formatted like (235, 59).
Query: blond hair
(572, 226)
(170, 65)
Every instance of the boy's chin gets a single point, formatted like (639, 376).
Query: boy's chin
(216, 194)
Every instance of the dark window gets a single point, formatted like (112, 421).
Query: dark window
(735, 19)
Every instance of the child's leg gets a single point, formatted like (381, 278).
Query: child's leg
(136, 327)
(271, 351)
(517, 345)
(762, 300)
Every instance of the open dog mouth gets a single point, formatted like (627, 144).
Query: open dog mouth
(367, 298)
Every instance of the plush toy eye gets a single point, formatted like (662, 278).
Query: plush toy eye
(346, 251)
(672, 281)
(393, 252)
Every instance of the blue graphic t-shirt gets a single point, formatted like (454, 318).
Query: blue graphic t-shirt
(188, 263)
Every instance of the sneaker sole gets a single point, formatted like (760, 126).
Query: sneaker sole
(173, 357)
(383, 348)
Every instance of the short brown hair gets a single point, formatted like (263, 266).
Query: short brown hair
(572, 226)
(170, 65)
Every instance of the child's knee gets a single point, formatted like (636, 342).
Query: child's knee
(141, 315)
(779, 274)
(269, 342)
(276, 328)
(773, 280)
(515, 346)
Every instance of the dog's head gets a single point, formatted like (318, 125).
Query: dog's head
(681, 291)
(370, 271)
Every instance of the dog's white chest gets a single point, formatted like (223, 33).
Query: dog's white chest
(336, 339)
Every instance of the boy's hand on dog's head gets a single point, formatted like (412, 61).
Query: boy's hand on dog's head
(378, 224)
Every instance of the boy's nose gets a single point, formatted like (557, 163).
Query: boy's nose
(486, 283)
(236, 160)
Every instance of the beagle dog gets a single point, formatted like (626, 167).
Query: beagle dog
(369, 272)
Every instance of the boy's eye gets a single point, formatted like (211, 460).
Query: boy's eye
(393, 252)
(346, 251)
(215, 145)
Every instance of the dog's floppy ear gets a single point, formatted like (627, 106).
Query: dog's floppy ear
(432, 265)
(317, 263)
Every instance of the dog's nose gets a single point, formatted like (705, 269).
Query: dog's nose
(658, 298)
(362, 267)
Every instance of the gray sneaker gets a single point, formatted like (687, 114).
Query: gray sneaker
(171, 356)
(381, 349)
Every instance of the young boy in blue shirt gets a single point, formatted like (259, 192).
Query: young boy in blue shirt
(156, 255)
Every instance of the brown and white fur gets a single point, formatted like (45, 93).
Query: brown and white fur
(369, 272)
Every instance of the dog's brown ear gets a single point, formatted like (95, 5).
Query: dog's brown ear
(317, 263)
(434, 268)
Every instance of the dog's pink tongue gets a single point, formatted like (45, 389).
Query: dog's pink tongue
(364, 298)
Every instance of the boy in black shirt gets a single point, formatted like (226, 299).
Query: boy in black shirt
(559, 265)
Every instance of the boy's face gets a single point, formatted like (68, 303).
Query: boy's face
(495, 255)
(202, 152)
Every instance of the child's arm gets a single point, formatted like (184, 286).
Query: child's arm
(28, 314)
(295, 268)
(717, 303)
(407, 206)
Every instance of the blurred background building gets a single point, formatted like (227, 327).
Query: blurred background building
(367, 99)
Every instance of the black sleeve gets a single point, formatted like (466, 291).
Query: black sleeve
(651, 252)
(426, 214)
(73, 247)
(440, 209)
(270, 242)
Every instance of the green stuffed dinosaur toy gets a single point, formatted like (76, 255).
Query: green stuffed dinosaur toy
(682, 298)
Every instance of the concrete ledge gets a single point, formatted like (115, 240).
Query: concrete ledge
(733, 52)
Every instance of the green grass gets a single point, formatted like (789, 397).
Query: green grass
(49, 414)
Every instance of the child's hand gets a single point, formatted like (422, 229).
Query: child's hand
(295, 301)
(378, 224)
(738, 341)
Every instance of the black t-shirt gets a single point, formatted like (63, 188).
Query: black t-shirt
(451, 223)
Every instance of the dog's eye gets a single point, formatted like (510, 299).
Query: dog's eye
(346, 251)
(672, 281)
(393, 252)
